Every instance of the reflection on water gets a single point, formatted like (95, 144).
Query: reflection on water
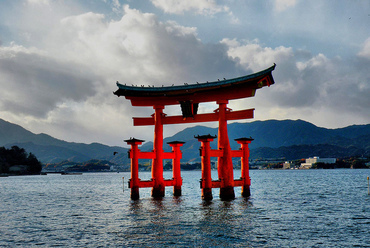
(326, 208)
(171, 220)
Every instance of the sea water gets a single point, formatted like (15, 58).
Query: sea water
(287, 208)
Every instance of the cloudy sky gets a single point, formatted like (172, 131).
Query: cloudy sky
(60, 59)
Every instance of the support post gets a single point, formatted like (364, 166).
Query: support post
(134, 156)
(206, 181)
(245, 165)
(158, 189)
(225, 165)
(176, 166)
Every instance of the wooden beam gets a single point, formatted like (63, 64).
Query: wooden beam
(238, 182)
(142, 183)
(143, 121)
(146, 155)
(236, 153)
(166, 120)
(230, 93)
(169, 182)
(168, 155)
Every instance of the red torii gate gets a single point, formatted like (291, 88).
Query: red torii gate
(189, 97)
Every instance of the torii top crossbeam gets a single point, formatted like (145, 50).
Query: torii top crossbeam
(227, 89)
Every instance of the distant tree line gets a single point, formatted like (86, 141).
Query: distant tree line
(92, 165)
(347, 163)
(17, 161)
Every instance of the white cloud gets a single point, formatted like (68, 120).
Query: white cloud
(365, 51)
(64, 86)
(281, 5)
(68, 81)
(204, 7)
(116, 5)
(39, 2)
(307, 87)
(253, 56)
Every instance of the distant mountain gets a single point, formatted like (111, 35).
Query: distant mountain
(50, 150)
(272, 139)
(273, 133)
(306, 151)
(287, 138)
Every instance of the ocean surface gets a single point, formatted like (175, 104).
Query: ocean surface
(288, 208)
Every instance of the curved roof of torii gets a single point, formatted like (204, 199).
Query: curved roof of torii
(226, 89)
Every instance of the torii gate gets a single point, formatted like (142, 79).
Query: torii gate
(189, 97)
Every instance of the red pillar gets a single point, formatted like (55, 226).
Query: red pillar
(134, 156)
(245, 165)
(206, 181)
(225, 165)
(157, 164)
(176, 166)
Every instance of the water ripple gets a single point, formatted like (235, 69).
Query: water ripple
(315, 208)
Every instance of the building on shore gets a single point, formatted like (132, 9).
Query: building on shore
(314, 160)
(287, 165)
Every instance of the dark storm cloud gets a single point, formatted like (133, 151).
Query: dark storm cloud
(335, 90)
(42, 90)
(34, 84)
(192, 60)
(339, 85)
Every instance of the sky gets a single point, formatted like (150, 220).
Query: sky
(60, 60)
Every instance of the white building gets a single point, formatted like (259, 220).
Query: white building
(287, 165)
(311, 161)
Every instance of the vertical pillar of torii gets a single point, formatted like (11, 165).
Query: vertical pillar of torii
(134, 182)
(158, 189)
(246, 192)
(205, 153)
(176, 166)
(225, 164)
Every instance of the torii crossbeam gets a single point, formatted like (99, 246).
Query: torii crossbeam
(189, 97)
